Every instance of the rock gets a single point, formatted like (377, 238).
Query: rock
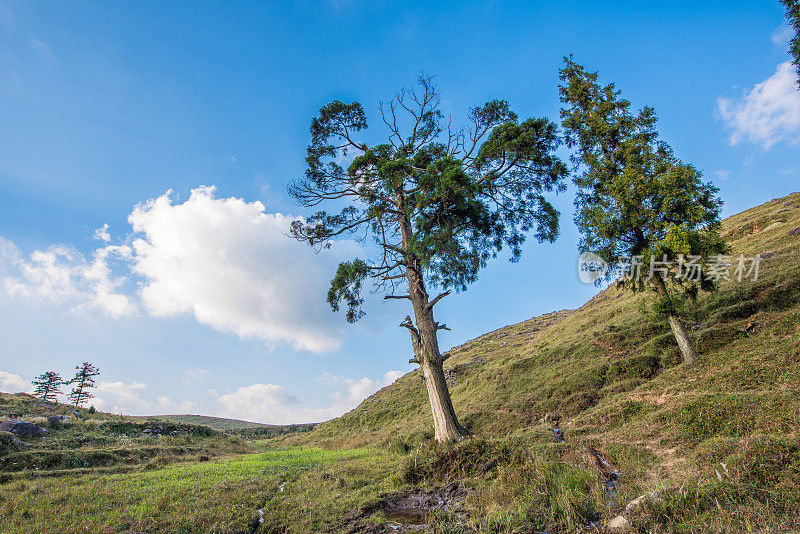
(795, 231)
(23, 429)
(772, 226)
(768, 255)
(619, 525)
(789, 204)
(56, 420)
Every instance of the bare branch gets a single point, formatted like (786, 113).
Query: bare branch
(433, 303)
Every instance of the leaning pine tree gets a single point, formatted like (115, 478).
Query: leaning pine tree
(84, 381)
(438, 202)
(47, 386)
(635, 198)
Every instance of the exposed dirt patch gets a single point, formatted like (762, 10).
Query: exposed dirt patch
(406, 511)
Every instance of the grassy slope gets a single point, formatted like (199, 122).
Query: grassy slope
(609, 374)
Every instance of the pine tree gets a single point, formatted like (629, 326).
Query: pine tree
(47, 386)
(84, 380)
(635, 198)
(438, 203)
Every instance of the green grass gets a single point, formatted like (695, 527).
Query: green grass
(219, 496)
(719, 441)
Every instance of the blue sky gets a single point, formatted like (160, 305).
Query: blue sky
(197, 302)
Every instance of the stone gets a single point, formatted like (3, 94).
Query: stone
(57, 419)
(619, 525)
(795, 231)
(772, 226)
(768, 255)
(789, 204)
(23, 429)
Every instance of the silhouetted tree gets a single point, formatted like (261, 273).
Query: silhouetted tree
(635, 198)
(438, 202)
(84, 380)
(47, 386)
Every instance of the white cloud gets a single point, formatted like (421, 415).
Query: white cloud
(232, 266)
(768, 113)
(167, 406)
(102, 233)
(780, 36)
(722, 175)
(391, 376)
(227, 262)
(119, 397)
(270, 403)
(193, 375)
(62, 274)
(41, 47)
(11, 383)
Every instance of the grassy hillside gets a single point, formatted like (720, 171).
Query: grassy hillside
(609, 375)
(101, 442)
(712, 448)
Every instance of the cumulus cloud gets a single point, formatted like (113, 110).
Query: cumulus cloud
(267, 403)
(119, 397)
(62, 274)
(270, 403)
(168, 406)
(231, 265)
(102, 233)
(11, 383)
(766, 114)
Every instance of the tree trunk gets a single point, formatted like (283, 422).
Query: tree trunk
(445, 423)
(684, 343)
(425, 341)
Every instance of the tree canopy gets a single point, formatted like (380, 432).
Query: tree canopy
(465, 193)
(635, 197)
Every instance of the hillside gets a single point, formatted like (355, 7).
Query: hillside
(583, 420)
(609, 375)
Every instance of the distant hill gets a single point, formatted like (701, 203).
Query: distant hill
(219, 423)
(243, 428)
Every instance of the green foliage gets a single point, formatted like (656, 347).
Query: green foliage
(346, 286)
(635, 197)
(438, 202)
(793, 17)
(47, 386)
(83, 380)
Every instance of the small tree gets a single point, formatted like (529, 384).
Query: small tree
(84, 380)
(793, 16)
(438, 203)
(635, 198)
(47, 386)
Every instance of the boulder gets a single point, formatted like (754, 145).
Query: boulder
(23, 429)
(795, 231)
(619, 525)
